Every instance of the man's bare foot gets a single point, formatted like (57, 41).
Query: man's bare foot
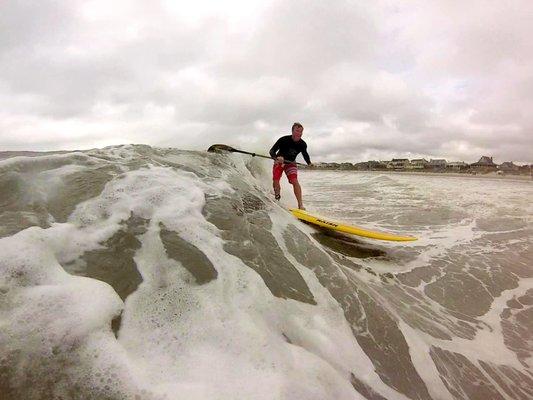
(301, 207)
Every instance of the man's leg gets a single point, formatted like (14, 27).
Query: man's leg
(277, 170)
(277, 189)
(298, 193)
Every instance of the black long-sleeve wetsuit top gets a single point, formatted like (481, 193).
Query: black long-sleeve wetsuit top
(289, 149)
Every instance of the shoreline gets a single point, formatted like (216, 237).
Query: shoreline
(490, 175)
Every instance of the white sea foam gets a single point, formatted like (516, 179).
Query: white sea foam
(345, 352)
(25, 162)
(53, 319)
(229, 338)
(424, 365)
(200, 337)
(181, 341)
(488, 345)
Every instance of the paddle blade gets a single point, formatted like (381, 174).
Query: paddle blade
(219, 148)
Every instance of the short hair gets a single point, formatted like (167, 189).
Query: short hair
(296, 124)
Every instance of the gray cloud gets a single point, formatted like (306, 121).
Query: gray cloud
(368, 80)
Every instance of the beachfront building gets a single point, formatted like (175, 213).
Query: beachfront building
(526, 170)
(346, 165)
(484, 165)
(418, 163)
(369, 166)
(508, 167)
(377, 165)
(457, 166)
(325, 165)
(398, 163)
(437, 163)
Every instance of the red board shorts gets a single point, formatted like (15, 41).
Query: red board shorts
(291, 170)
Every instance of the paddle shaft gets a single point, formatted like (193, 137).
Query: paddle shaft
(232, 150)
(270, 158)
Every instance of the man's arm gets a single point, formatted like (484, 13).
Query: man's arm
(274, 149)
(306, 156)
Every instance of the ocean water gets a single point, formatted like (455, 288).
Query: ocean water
(133, 272)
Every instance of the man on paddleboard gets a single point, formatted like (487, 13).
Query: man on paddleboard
(284, 153)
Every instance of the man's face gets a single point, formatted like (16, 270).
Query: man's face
(297, 133)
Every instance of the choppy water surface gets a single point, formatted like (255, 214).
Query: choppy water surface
(142, 273)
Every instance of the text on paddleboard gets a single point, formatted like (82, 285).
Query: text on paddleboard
(327, 222)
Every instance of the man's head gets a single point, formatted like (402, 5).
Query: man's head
(297, 131)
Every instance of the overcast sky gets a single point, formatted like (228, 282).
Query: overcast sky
(371, 79)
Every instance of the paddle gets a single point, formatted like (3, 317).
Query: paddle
(217, 148)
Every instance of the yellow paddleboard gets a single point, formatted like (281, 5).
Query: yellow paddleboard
(340, 227)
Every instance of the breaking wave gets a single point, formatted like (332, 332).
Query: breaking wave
(134, 272)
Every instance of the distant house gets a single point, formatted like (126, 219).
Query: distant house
(368, 166)
(437, 163)
(323, 165)
(398, 163)
(346, 165)
(484, 161)
(332, 165)
(418, 163)
(485, 164)
(525, 169)
(377, 165)
(508, 167)
(457, 166)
